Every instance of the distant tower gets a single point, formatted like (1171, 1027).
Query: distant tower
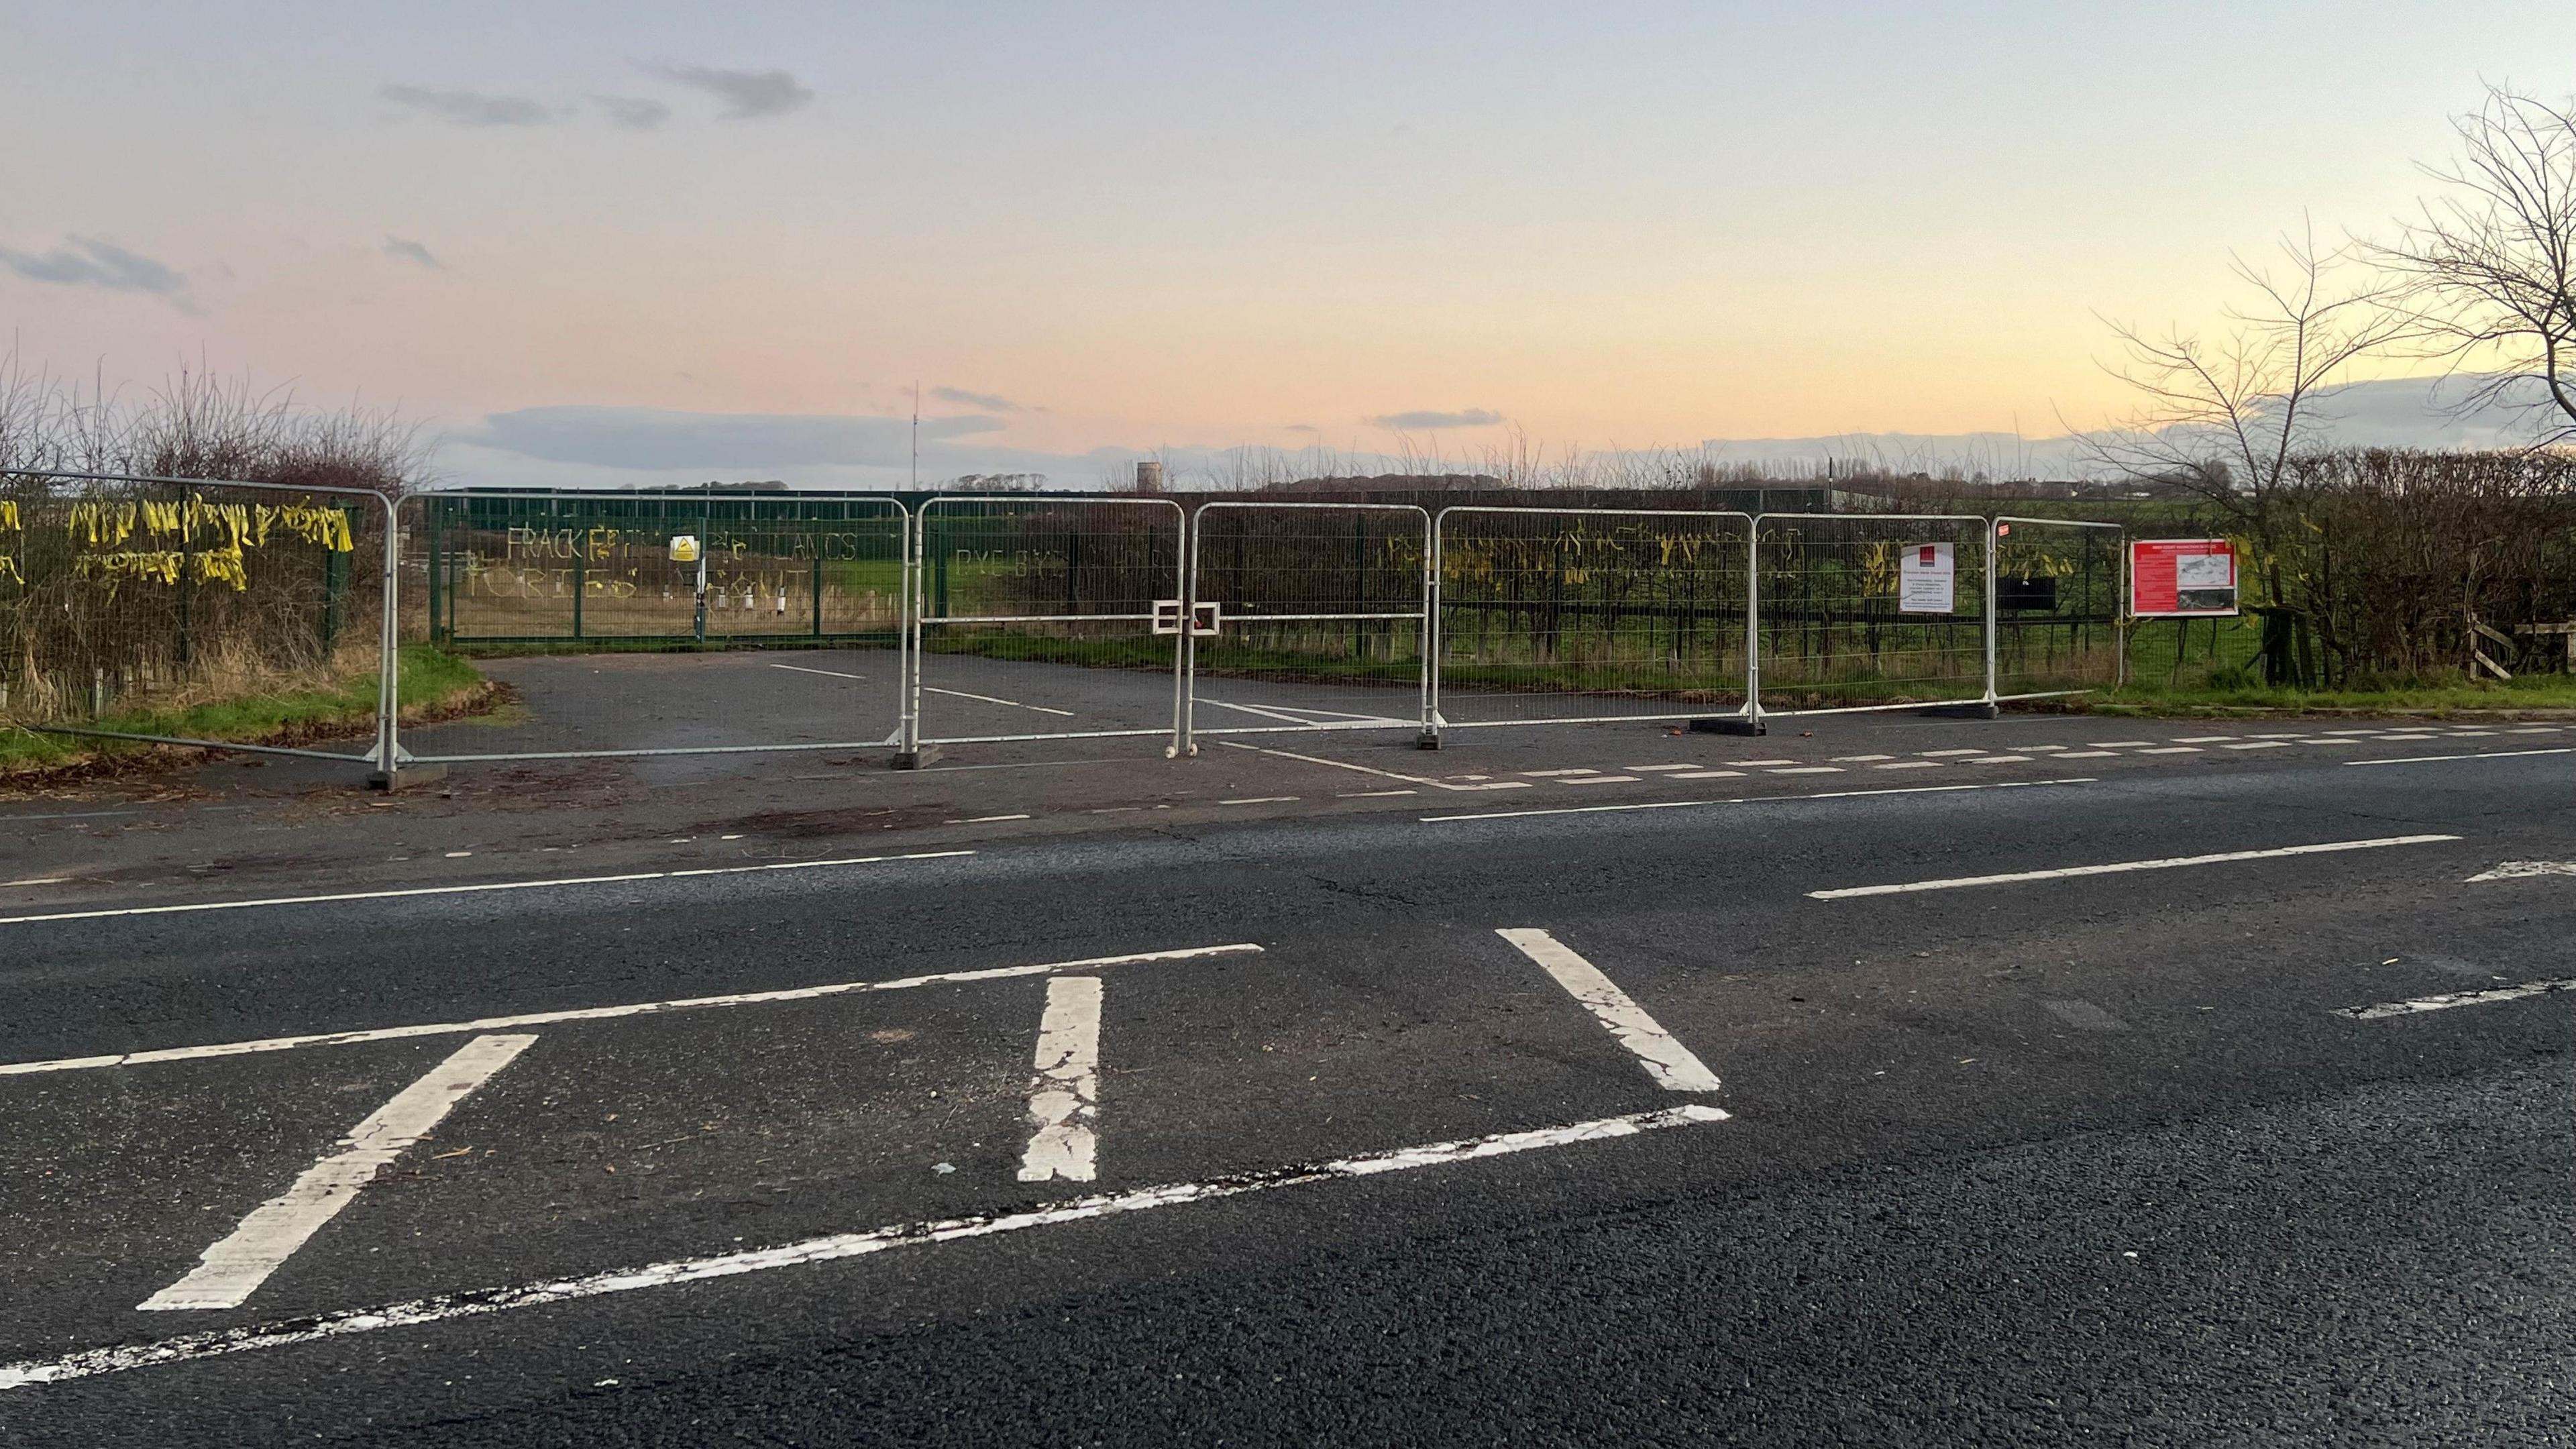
(1149, 475)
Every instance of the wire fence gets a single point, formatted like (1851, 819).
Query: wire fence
(1328, 599)
(2058, 619)
(1045, 618)
(1579, 615)
(709, 624)
(1869, 611)
(666, 624)
(181, 610)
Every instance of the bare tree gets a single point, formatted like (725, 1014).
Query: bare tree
(2224, 417)
(2490, 266)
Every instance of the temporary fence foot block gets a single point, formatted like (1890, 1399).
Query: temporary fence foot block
(409, 777)
(1978, 710)
(1426, 741)
(1729, 725)
(914, 759)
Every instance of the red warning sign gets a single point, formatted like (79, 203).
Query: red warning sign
(2181, 578)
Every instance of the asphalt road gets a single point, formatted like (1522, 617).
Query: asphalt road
(1730, 1153)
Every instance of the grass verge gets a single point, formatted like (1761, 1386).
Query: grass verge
(435, 685)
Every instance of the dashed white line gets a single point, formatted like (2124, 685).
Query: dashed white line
(2445, 1002)
(2089, 754)
(2258, 745)
(1752, 800)
(1860, 759)
(2173, 750)
(1946, 754)
(120, 1357)
(972, 820)
(2122, 867)
(37, 880)
(1650, 769)
(1262, 800)
(1556, 774)
(1709, 775)
(1064, 1095)
(1910, 765)
(2200, 739)
(1808, 770)
(1673, 1066)
(233, 1268)
(463, 890)
(605, 1013)
(2116, 744)
(1998, 760)
(1374, 794)
(1599, 780)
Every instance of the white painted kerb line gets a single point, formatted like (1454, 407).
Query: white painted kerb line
(599, 1013)
(1672, 1065)
(1064, 1096)
(233, 1269)
(467, 890)
(2422, 1004)
(2122, 867)
(91, 1362)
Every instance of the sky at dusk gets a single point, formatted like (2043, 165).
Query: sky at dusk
(637, 242)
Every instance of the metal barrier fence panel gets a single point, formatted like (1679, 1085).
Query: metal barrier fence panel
(167, 610)
(664, 623)
(2060, 619)
(1046, 618)
(1580, 615)
(1836, 629)
(1308, 616)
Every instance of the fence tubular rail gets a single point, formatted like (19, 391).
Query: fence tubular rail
(1029, 579)
(1311, 594)
(971, 619)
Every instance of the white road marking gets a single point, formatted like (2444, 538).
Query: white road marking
(1374, 794)
(37, 880)
(117, 1358)
(1296, 714)
(2448, 1000)
(2258, 745)
(1910, 765)
(2438, 759)
(1998, 760)
(2200, 739)
(804, 669)
(1674, 1067)
(2355, 732)
(232, 1269)
(1600, 780)
(1860, 759)
(2041, 749)
(2329, 740)
(2116, 744)
(1372, 770)
(2518, 869)
(969, 820)
(989, 699)
(2276, 737)
(1947, 754)
(1807, 770)
(2534, 730)
(2088, 754)
(1746, 800)
(1262, 800)
(1650, 769)
(2173, 750)
(1708, 775)
(604, 1013)
(464, 890)
(2122, 867)
(1556, 774)
(1064, 1096)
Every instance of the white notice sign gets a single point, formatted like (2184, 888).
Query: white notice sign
(1927, 580)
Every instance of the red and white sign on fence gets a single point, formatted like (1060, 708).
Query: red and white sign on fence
(2181, 578)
